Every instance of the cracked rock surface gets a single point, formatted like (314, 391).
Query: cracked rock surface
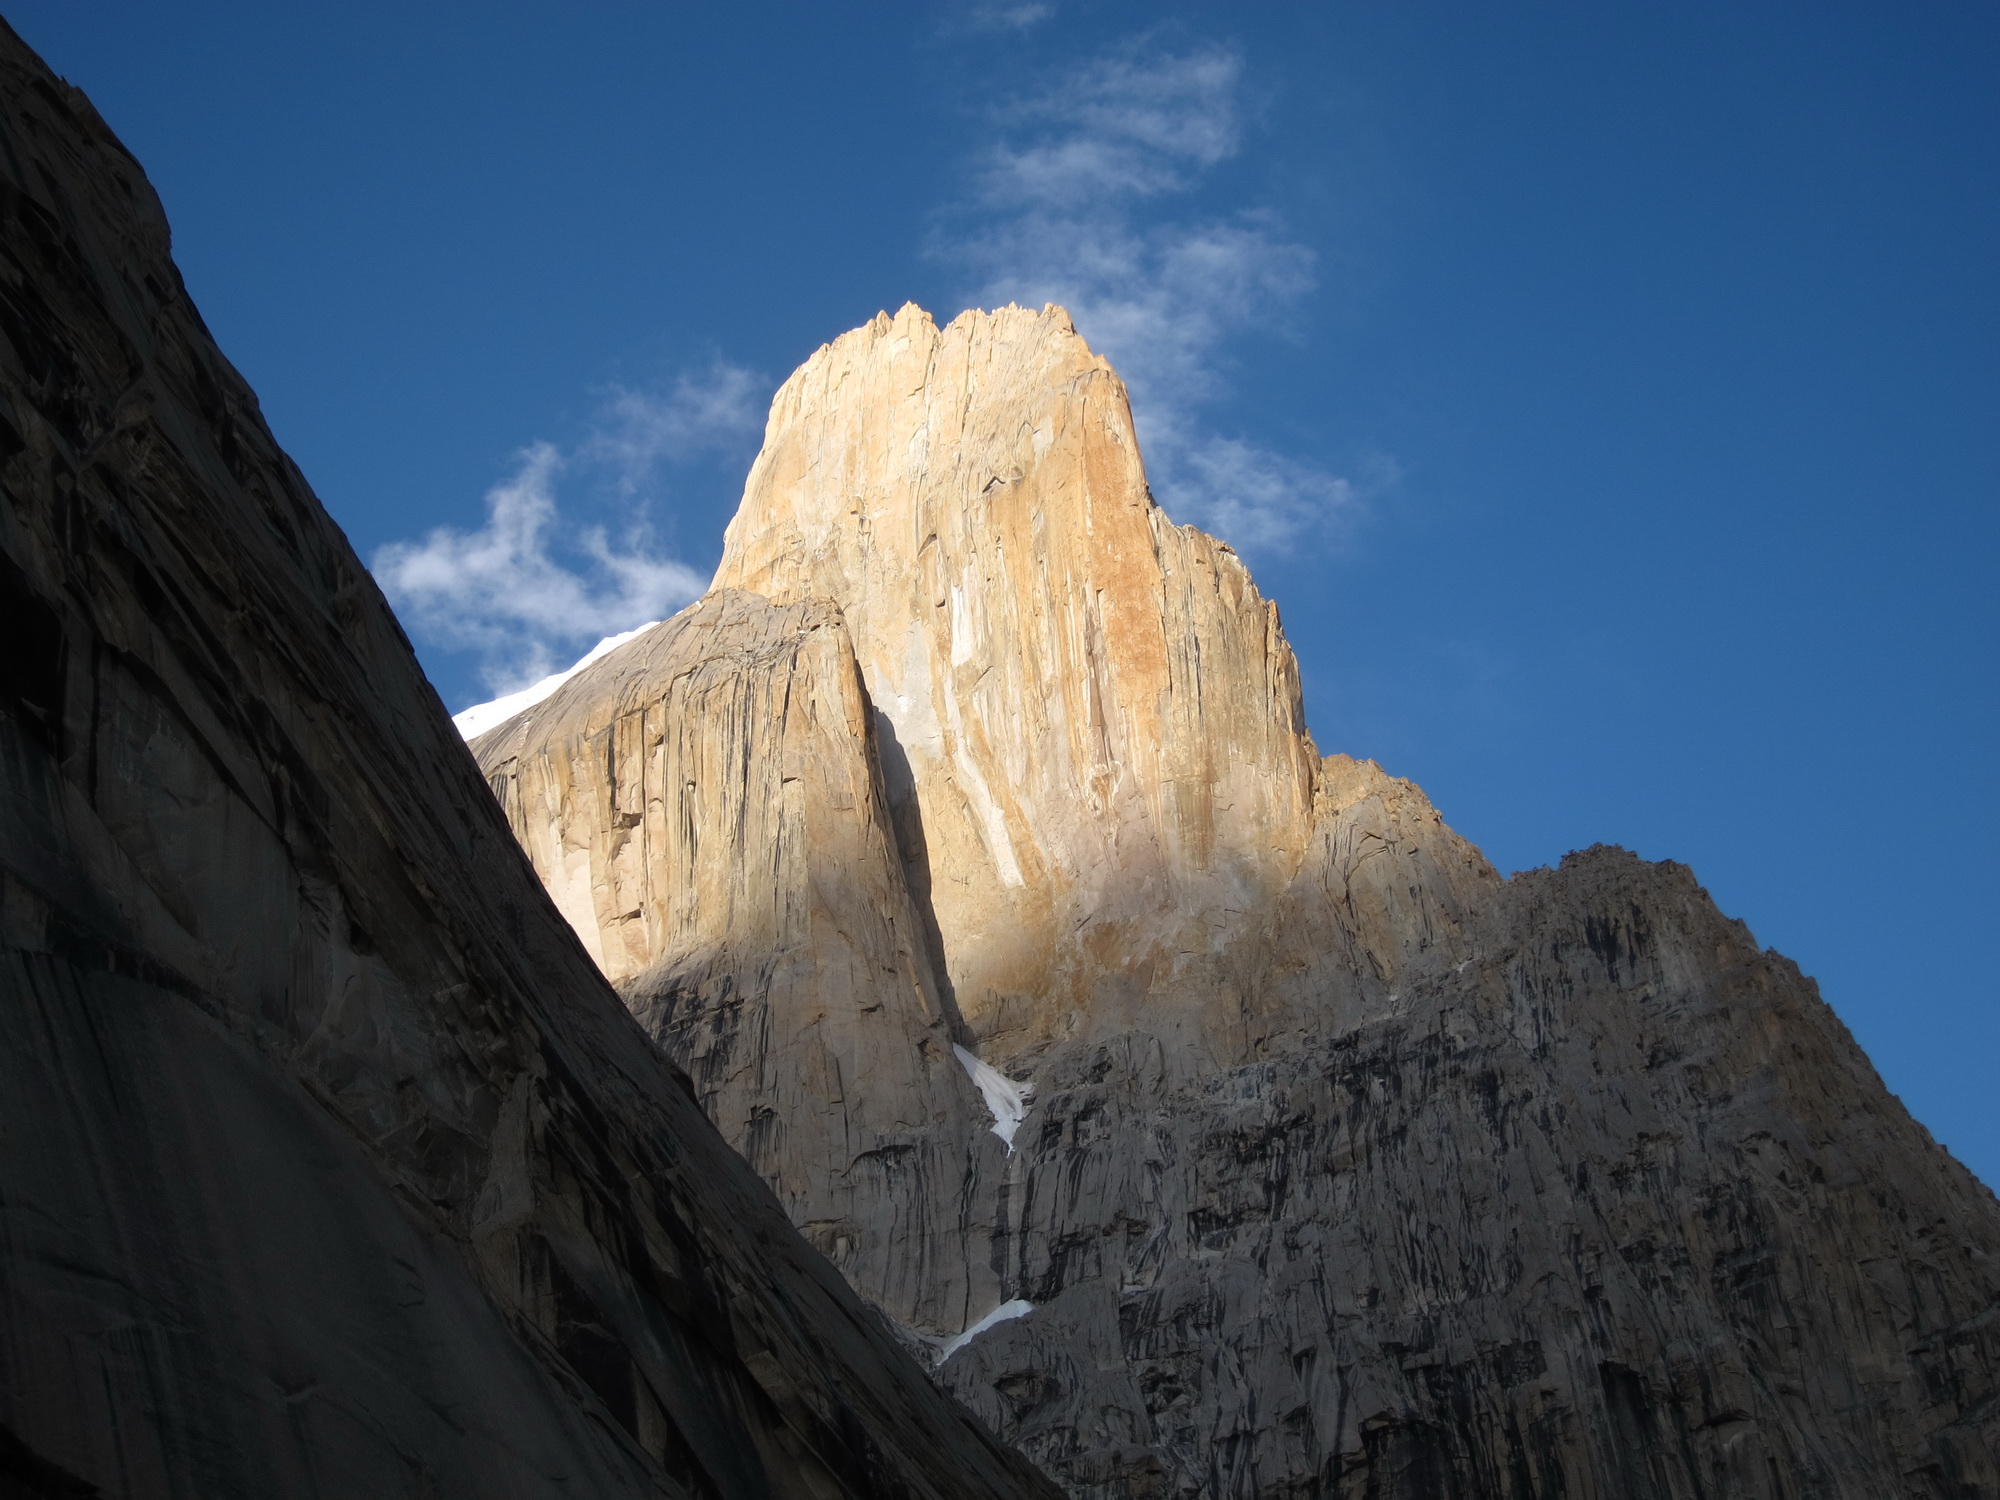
(329, 1164)
(1349, 1168)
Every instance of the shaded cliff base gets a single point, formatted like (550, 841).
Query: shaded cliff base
(329, 1163)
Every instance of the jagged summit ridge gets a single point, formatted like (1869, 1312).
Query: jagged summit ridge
(1349, 1168)
(1091, 719)
(1099, 714)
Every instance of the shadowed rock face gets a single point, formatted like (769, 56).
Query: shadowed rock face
(329, 1164)
(1350, 1168)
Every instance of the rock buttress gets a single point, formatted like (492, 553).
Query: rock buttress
(328, 1163)
(1350, 1169)
(1098, 712)
(716, 823)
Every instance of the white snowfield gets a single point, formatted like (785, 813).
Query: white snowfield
(1001, 1314)
(1006, 1100)
(476, 720)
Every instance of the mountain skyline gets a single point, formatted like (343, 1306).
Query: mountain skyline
(1649, 356)
(1212, 1115)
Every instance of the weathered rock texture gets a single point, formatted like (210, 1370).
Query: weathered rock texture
(1351, 1168)
(799, 995)
(1100, 717)
(329, 1165)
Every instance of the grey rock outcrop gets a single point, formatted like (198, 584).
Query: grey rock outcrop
(329, 1164)
(1614, 1207)
(800, 997)
(1350, 1168)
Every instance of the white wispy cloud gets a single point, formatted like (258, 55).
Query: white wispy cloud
(1002, 15)
(1134, 124)
(534, 585)
(711, 414)
(1072, 202)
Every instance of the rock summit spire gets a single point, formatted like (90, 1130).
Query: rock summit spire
(1333, 1164)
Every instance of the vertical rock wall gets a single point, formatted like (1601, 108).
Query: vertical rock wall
(329, 1165)
(714, 816)
(1611, 1206)
(1099, 715)
(1349, 1168)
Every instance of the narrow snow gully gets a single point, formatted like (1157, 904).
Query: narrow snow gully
(1005, 1312)
(1006, 1100)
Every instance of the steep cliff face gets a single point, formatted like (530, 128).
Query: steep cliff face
(799, 994)
(328, 1162)
(1614, 1208)
(1100, 719)
(1349, 1168)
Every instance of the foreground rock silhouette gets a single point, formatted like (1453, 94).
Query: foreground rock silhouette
(329, 1164)
(1349, 1168)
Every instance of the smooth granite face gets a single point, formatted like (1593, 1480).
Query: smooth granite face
(1348, 1168)
(329, 1163)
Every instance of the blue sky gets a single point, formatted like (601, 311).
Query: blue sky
(1607, 393)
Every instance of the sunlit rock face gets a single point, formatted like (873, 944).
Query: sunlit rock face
(1103, 762)
(329, 1163)
(708, 811)
(1329, 1162)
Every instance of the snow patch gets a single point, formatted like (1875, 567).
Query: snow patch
(1005, 1312)
(476, 720)
(1006, 1101)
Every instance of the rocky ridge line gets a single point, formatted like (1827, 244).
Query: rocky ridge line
(329, 1164)
(1350, 1168)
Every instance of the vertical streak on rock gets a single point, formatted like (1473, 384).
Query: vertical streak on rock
(776, 950)
(1077, 683)
(1350, 1169)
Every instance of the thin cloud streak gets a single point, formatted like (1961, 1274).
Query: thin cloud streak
(997, 15)
(532, 586)
(1067, 206)
(710, 415)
